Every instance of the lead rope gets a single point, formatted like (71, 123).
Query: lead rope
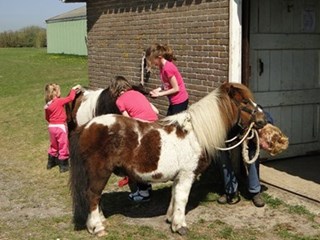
(142, 69)
(245, 148)
(237, 144)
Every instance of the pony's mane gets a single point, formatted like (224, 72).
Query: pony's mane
(205, 119)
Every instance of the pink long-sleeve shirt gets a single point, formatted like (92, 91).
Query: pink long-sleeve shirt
(54, 110)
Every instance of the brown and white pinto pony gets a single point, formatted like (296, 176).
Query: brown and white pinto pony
(175, 148)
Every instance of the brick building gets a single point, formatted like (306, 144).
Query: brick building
(119, 32)
(271, 46)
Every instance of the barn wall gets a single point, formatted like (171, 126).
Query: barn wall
(119, 31)
(67, 37)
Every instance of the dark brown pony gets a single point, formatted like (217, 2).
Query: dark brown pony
(175, 148)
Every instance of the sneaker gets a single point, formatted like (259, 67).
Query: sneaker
(229, 198)
(257, 200)
(140, 196)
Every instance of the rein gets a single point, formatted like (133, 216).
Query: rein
(245, 151)
(247, 110)
(142, 69)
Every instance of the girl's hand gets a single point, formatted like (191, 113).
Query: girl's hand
(155, 92)
(77, 88)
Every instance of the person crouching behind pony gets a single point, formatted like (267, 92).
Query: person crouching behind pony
(58, 152)
(134, 104)
(273, 141)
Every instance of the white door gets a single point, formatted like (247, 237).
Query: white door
(284, 60)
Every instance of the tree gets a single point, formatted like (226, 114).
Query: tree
(32, 36)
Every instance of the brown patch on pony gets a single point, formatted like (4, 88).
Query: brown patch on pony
(203, 163)
(180, 132)
(169, 128)
(147, 153)
(71, 111)
(157, 176)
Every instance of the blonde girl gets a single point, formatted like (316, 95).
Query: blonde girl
(58, 152)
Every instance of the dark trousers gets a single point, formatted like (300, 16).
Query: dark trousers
(177, 108)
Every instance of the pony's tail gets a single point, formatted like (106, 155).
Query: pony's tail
(78, 182)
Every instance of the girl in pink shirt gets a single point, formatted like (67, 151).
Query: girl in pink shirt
(134, 104)
(58, 152)
(172, 82)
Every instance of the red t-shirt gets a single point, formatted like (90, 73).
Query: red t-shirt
(136, 105)
(54, 110)
(166, 73)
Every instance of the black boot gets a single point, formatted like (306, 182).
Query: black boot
(257, 199)
(52, 161)
(64, 165)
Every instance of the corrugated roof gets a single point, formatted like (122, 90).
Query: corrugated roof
(76, 14)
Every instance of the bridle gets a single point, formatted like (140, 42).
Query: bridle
(256, 108)
(247, 129)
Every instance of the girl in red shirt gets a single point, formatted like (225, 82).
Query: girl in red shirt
(134, 104)
(172, 82)
(58, 152)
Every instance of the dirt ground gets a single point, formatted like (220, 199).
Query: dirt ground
(23, 199)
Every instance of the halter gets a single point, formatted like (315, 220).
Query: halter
(252, 112)
(241, 125)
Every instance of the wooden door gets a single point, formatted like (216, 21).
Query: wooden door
(284, 60)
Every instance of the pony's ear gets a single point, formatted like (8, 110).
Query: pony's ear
(225, 87)
(232, 91)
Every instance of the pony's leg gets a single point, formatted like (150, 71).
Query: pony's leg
(169, 214)
(94, 223)
(95, 220)
(181, 195)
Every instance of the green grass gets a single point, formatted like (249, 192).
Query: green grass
(24, 72)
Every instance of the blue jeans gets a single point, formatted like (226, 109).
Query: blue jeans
(229, 177)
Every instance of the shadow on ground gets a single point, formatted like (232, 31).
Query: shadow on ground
(305, 167)
(118, 203)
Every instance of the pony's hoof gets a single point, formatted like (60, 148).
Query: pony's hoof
(101, 233)
(182, 231)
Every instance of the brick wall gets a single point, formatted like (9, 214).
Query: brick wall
(197, 30)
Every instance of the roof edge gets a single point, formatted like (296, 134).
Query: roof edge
(73, 1)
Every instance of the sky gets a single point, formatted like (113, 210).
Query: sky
(17, 14)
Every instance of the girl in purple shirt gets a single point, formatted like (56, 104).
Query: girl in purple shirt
(172, 82)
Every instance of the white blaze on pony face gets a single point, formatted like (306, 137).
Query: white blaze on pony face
(256, 105)
(87, 108)
(105, 120)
